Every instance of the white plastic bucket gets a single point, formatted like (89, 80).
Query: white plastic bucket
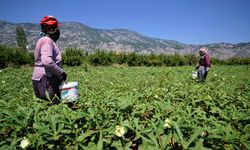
(194, 74)
(69, 91)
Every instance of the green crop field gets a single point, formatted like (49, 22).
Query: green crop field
(122, 107)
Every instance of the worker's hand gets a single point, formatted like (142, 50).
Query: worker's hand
(64, 76)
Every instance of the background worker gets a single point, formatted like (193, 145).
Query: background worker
(204, 65)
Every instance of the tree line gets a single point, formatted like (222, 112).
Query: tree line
(75, 57)
(18, 56)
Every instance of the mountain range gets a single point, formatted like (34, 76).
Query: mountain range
(78, 35)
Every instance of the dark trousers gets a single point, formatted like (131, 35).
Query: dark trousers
(202, 74)
(49, 85)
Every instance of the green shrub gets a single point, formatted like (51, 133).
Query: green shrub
(14, 56)
(73, 57)
(102, 58)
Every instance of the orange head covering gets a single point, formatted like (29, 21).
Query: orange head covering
(49, 21)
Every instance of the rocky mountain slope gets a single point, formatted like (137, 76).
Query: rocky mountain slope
(89, 39)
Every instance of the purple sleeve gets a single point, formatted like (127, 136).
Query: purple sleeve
(207, 61)
(47, 58)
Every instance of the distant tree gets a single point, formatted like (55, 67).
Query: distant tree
(21, 37)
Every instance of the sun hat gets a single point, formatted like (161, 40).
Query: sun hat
(49, 21)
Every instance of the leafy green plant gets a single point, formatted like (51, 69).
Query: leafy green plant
(129, 108)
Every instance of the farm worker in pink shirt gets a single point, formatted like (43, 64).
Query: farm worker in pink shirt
(48, 73)
(204, 65)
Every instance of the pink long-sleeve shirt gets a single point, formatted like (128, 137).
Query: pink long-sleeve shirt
(47, 59)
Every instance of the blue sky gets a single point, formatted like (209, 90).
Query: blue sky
(186, 21)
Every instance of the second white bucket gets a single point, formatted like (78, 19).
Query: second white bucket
(194, 74)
